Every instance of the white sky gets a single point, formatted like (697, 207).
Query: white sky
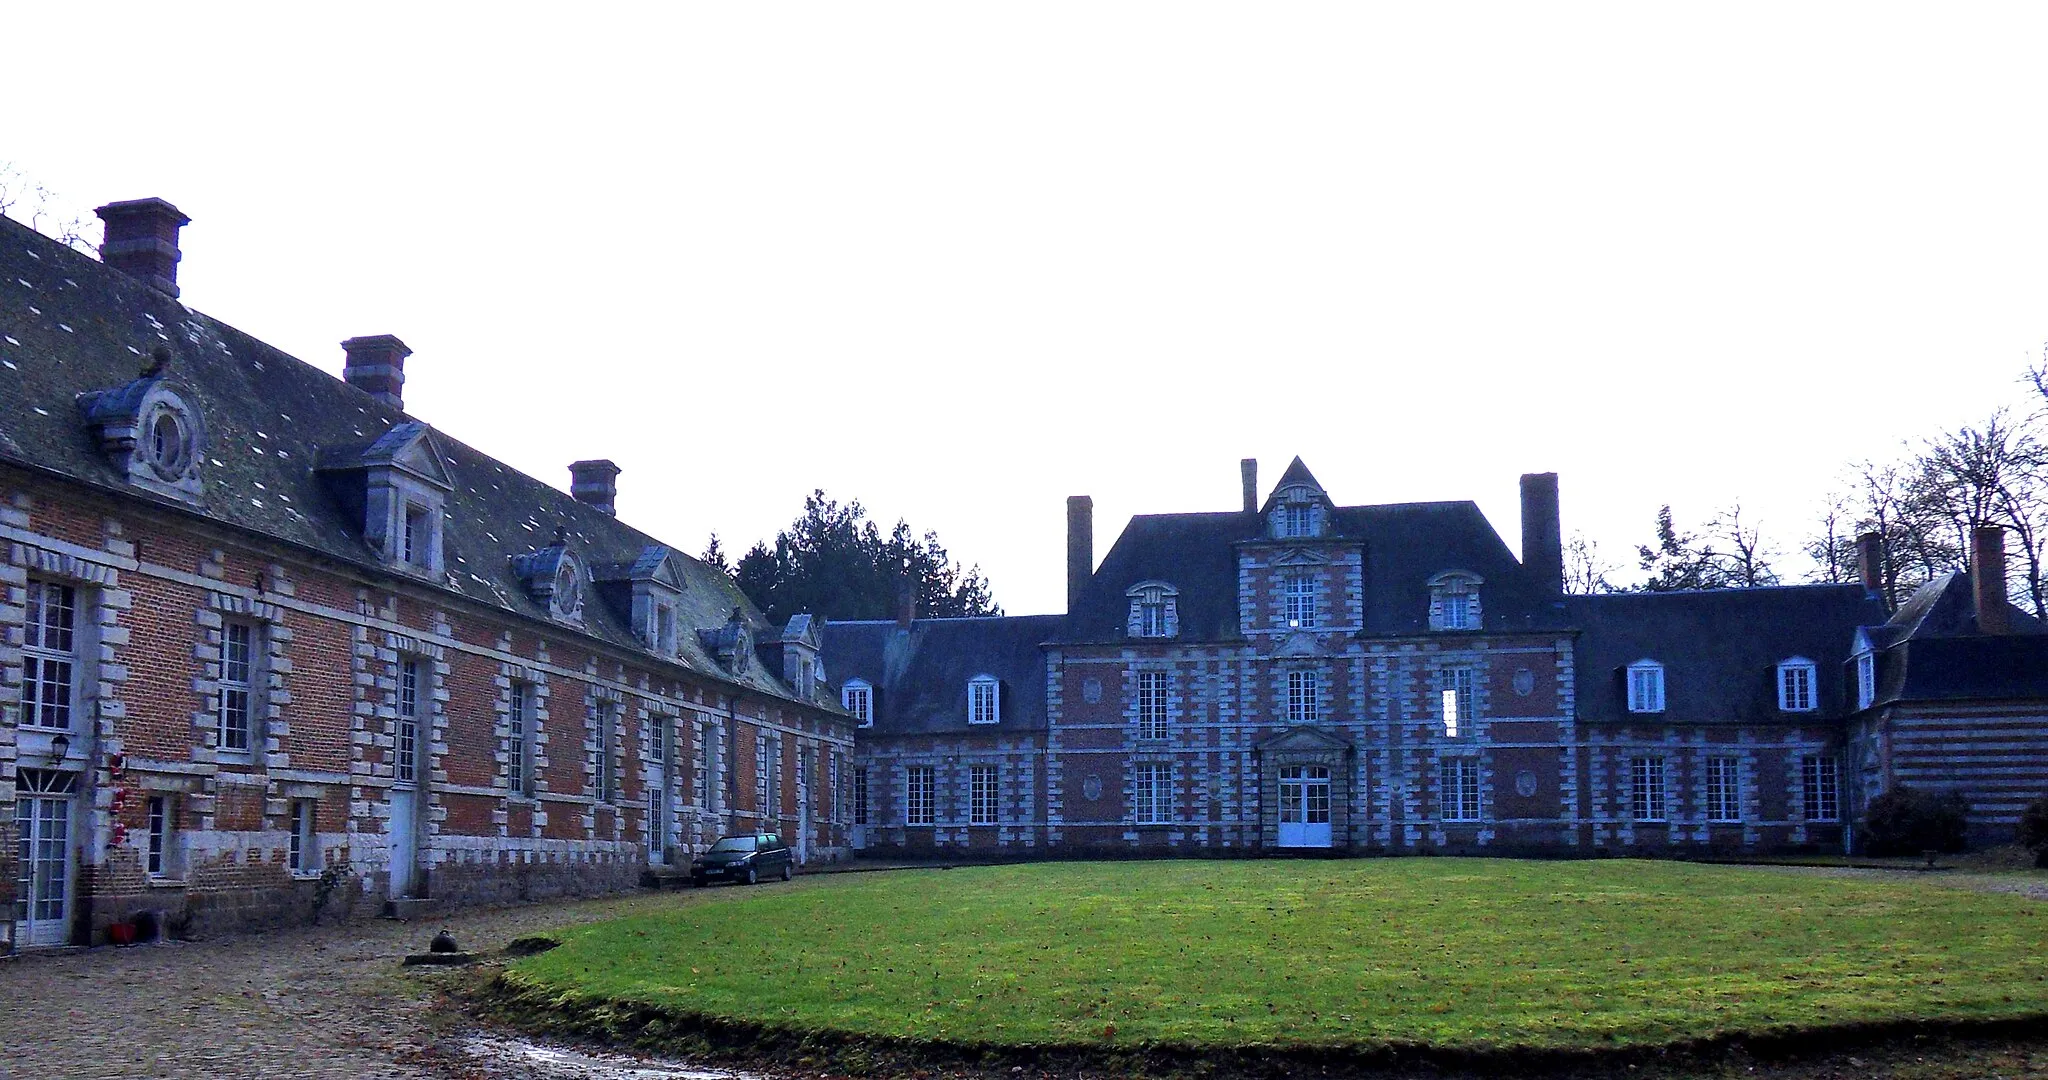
(961, 261)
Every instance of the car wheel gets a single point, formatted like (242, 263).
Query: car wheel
(788, 871)
(698, 882)
(752, 875)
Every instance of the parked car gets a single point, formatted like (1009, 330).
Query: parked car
(746, 857)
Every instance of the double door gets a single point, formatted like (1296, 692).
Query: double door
(43, 805)
(1304, 806)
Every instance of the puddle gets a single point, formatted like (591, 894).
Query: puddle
(523, 1058)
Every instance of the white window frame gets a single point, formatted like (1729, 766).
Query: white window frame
(417, 531)
(1820, 788)
(521, 745)
(984, 700)
(1298, 519)
(1152, 618)
(1724, 789)
(1152, 793)
(405, 727)
(1798, 685)
(1304, 696)
(858, 698)
(860, 796)
(1646, 687)
(50, 650)
(159, 842)
(610, 717)
(1866, 678)
(302, 845)
(1456, 695)
(984, 795)
(235, 707)
(761, 773)
(1460, 788)
(920, 795)
(1299, 591)
(1152, 699)
(1649, 793)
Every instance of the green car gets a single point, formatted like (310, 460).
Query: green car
(747, 857)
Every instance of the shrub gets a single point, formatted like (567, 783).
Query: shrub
(1904, 821)
(2033, 833)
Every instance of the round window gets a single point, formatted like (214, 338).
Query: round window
(565, 587)
(168, 444)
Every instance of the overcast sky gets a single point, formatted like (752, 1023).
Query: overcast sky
(961, 262)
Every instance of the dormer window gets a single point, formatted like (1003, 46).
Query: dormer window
(1299, 515)
(1454, 601)
(858, 698)
(150, 433)
(665, 629)
(984, 700)
(1646, 687)
(1796, 685)
(554, 577)
(405, 487)
(1866, 678)
(1300, 520)
(416, 546)
(1154, 610)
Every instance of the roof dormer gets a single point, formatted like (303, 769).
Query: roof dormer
(650, 591)
(554, 577)
(1298, 508)
(400, 484)
(151, 433)
(732, 645)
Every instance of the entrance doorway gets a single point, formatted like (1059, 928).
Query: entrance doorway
(402, 842)
(1304, 806)
(42, 821)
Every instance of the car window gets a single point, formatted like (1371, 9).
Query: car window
(769, 840)
(734, 843)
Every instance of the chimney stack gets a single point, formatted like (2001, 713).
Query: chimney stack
(1249, 470)
(1080, 548)
(906, 606)
(141, 241)
(1870, 564)
(595, 482)
(1987, 579)
(1542, 534)
(376, 366)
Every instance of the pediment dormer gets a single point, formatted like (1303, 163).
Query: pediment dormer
(400, 484)
(649, 590)
(1298, 507)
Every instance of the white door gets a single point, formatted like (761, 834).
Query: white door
(402, 841)
(42, 822)
(1305, 806)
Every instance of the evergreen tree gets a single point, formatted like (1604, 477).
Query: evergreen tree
(833, 561)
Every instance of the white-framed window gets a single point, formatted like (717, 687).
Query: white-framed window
(609, 717)
(984, 700)
(1460, 788)
(1646, 687)
(1454, 688)
(665, 629)
(49, 656)
(920, 790)
(1866, 678)
(860, 796)
(1724, 788)
(1152, 612)
(1454, 601)
(1304, 697)
(1152, 792)
(1300, 592)
(520, 743)
(983, 807)
(1152, 705)
(159, 854)
(1796, 679)
(405, 749)
(1152, 619)
(806, 684)
(858, 699)
(656, 807)
(761, 773)
(302, 851)
(1298, 519)
(416, 540)
(1646, 789)
(1819, 788)
(236, 718)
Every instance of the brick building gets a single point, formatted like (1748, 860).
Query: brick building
(268, 643)
(1301, 675)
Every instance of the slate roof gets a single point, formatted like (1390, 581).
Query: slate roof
(920, 676)
(70, 325)
(1931, 650)
(1720, 649)
(1406, 544)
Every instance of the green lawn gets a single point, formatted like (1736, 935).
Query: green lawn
(1456, 953)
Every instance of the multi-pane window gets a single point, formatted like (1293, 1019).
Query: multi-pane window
(860, 796)
(1461, 789)
(1298, 519)
(1646, 687)
(655, 814)
(1795, 686)
(609, 717)
(1646, 789)
(981, 795)
(1152, 619)
(919, 791)
(302, 848)
(761, 773)
(1455, 689)
(1866, 679)
(419, 537)
(1819, 786)
(858, 700)
(983, 701)
(1153, 793)
(237, 677)
(156, 857)
(1304, 697)
(1724, 789)
(49, 644)
(1300, 593)
(406, 739)
(1457, 606)
(519, 763)
(1152, 705)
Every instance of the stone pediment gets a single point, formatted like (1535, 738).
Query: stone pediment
(1299, 643)
(1296, 556)
(1303, 740)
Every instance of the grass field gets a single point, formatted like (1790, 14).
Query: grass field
(1462, 954)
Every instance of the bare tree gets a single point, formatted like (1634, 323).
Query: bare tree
(1832, 547)
(1745, 555)
(26, 200)
(1996, 474)
(1585, 569)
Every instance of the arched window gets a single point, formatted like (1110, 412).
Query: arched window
(1454, 600)
(1646, 687)
(1155, 610)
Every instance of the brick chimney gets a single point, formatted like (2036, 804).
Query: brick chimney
(141, 241)
(596, 483)
(1080, 548)
(376, 366)
(906, 606)
(1987, 579)
(1542, 534)
(1870, 564)
(1248, 470)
